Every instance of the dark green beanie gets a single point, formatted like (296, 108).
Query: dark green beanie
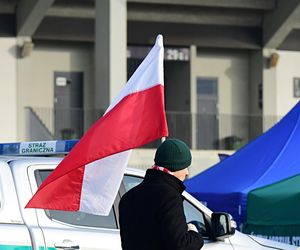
(173, 154)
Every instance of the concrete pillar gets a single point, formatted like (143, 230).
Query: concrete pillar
(193, 89)
(255, 94)
(8, 90)
(110, 50)
(269, 91)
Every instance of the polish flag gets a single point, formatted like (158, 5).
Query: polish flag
(88, 178)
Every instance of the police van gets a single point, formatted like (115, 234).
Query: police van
(24, 166)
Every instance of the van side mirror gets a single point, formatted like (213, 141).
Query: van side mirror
(223, 226)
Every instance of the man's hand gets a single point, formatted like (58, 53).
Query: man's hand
(192, 227)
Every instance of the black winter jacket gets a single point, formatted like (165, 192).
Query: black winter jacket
(152, 217)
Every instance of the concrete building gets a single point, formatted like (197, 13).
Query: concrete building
(231, 67)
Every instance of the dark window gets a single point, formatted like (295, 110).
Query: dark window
(207, 86)
(260, 96)
(207, 130)
(77, 218)
(194, 214)
(296, 86)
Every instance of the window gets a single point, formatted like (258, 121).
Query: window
(207, 121)
(77, 218)
(130, 182)
(296, 86)
(207, 86)
(260, 96)
(195, 215)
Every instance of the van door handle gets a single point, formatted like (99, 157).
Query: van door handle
(66, 245)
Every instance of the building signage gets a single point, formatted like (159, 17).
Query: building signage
(38, 147)
(171, 53)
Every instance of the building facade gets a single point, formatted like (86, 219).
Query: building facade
(231, 69)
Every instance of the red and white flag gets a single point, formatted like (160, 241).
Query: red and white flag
(88, 178)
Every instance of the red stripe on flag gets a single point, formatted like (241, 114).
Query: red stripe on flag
(137, 119)
(66, 190)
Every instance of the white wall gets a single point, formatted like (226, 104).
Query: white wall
(201, 159)
(36, 75)
(8, 90)
(232, 70)
(45, 59)
(278, 85)
(287, 68)
(231, 67)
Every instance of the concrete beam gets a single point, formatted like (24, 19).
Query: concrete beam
(71, 12)
(143, 33)
(78, 9)
(29, 14)
(84, 32)
(252, 4)
(193, 15)
(279, 23)
(297, 25)
(7, 7)
(169, 14)
(292, 41)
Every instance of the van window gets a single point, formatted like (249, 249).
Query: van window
(130, 182)
(77, 218)
(194, 214)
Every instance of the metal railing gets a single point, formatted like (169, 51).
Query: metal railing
(46, 116)
(199, 131)
(61, 123)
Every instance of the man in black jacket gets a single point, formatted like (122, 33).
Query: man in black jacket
(151, 214)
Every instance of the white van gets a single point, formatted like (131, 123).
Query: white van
(50, 229)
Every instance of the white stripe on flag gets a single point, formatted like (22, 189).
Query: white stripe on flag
(148, 74)
(100, 180)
